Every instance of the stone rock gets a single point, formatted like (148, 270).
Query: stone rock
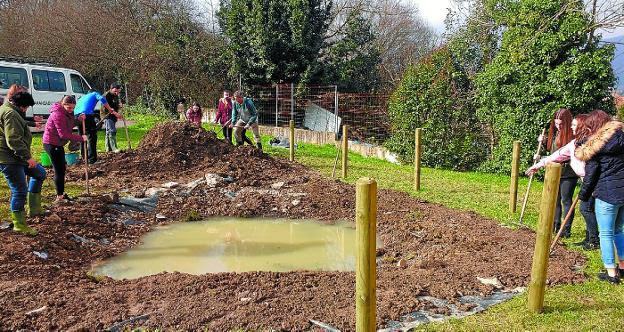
(111, 197)
(36, 311)
(278, 185)
(5, 224)
(229, 179)
(194, 184)
(212, 180)
(296, 202)
(79, 238)
(105, 241)
(245, 299)
(230, 194)
(170, 185)
(519, 290)
(42, 255)
(130, 222)
(402, 263)
(491, 282)
(160, 216)
(154, 191)
(54, 218)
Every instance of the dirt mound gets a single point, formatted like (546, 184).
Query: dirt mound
(168, 151)
(181, 143)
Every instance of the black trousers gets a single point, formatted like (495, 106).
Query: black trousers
(91, 133)
(591, 224)
(57, 155)
(564, 202)
(227, 134)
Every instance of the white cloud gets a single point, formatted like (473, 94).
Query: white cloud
(433, 11)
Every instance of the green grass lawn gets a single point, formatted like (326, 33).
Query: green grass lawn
(593, 305)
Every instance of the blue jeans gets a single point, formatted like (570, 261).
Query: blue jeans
(16, 177)
(611, 226)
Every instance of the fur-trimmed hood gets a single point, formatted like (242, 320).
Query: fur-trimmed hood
(597, 142)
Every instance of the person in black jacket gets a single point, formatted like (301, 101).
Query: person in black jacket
(560, 134)
(603, 153)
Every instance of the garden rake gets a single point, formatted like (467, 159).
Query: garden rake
(526, 195)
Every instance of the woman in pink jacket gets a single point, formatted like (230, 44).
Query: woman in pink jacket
(58, 131)
(566, 155)
(224, 116)
(194, 114)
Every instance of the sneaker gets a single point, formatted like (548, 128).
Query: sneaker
(591, 246)
(605, 277)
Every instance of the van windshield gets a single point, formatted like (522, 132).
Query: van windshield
(78, 84)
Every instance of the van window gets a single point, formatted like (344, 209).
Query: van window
(78, 84)
(44, 80)
(10, 76)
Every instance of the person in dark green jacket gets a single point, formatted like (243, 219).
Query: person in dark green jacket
(16, 161)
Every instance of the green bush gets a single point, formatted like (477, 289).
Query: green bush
(434, 95)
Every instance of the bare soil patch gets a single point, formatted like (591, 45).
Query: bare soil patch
(445, 250)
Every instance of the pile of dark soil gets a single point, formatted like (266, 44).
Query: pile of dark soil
(443, 251)
(170, 149)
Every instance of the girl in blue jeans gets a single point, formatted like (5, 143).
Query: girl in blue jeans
(16, 161)
(603, 153)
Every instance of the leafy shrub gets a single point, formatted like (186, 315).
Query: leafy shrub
(434, 95)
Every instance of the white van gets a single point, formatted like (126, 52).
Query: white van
(47, 83)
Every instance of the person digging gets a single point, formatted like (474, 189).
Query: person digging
(16, 162)
(86, 105)
(245, 116)
(110, 117)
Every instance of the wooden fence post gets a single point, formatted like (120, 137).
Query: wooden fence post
(417, 156)
(515, 170)
(345, 150)
(365, 267)
(544, 230)
(292, 141)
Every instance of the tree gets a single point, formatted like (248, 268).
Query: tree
(434, 95)
(547, 61)
(349, 60)
(155, 46)
(274, 40)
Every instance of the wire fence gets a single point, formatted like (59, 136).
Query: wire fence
(322, 108)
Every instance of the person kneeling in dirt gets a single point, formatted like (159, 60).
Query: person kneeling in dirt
(194, 114)
(110, 118)
(16, 162)
(86, 105)
(245, 116)
(58, 131)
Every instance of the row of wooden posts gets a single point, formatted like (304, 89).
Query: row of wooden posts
(366, 229)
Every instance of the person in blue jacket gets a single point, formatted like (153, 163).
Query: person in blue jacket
(86, 105)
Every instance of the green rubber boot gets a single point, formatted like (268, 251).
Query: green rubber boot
(34, 204)
(19, 224)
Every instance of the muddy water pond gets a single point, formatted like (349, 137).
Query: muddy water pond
(237, 245)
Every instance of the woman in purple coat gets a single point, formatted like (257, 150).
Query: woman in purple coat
(58, 131)
(223, 118)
